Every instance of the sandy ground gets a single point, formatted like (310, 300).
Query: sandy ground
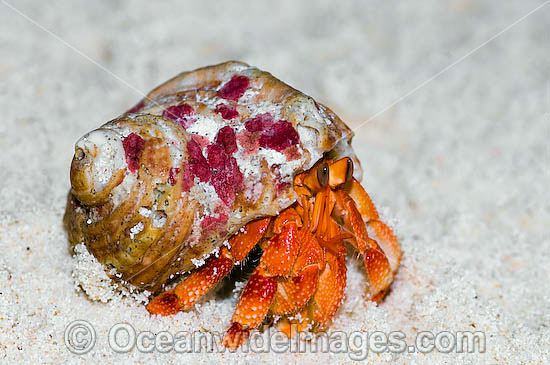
(459, 166)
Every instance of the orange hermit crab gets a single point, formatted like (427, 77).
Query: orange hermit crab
(212, 163)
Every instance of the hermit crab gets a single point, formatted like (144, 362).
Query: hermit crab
(212, 164)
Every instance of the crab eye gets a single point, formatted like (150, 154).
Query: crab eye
(349, 171)
(322, 174)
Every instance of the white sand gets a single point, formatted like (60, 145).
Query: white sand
(461, 165)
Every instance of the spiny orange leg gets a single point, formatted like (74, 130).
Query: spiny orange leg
(376, 229)
(330, 290)
(325, 255)
(294, 293)
(193, 287)
(281, 252)
(363, 201)
(381, 233)
(252, 308)
(283, 282)
(376, 262)
(216, 268)
(327, 298)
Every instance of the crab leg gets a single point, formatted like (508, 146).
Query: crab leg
(384, 235)
(294, 292)
(277, 261)
(281, 252)
(376, 229)
(283, 282)
(252, 308)
(376, 262)
(327, 298)
(192, 288)
(322, 255)
(364, 203)
(330, 291)
(202, 280)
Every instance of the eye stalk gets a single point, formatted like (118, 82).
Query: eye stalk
(327, 173)
(323, 174)
(340, 172)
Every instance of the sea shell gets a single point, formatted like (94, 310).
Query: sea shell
(159, 189)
